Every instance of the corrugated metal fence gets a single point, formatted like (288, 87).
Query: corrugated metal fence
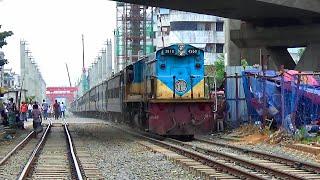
(237, 111)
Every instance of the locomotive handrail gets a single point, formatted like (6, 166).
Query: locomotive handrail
(191, 85)
(215, 92)
(174, 84)
(215, 96)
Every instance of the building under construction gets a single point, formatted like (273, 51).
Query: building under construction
(133, 34)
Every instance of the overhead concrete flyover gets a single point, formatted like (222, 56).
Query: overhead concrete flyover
(266, 27)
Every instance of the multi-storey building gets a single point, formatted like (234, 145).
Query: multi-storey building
(202, 31)
(133, 34)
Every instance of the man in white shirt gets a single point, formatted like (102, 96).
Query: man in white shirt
(62, 109)
(30, 110)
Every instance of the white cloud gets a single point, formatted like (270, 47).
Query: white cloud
(53, 30)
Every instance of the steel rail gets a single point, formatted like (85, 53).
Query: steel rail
(277, 158)
(28, 166)
(234, 158)
(20, 145)
(74, 158)
(197, 156)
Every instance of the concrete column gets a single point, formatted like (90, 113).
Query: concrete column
(275, 57)
(109, 59)
(90, 77)
(233, 52)
(22, 60)
(310, 60)
(280, 56)
(104, 64)
(94, 72)
(98, 70)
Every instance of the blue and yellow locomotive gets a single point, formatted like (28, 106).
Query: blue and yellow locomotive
(165, 93)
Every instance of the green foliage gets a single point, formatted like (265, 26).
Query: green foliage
(304, 138)
(3, 36)
(220, 70)
(244, 63)
(30, 99)
(301, 134)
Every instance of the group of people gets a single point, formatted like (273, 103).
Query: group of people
(56, 110)
(14, 116)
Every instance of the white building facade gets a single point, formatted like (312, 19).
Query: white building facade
(202, 31)
(31, 77)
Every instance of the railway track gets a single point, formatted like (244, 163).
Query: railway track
(238, 166)
(13, 159)
(53, 157)
(259, 166)
(310, 167)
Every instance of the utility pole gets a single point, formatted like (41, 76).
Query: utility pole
(68, 74)
(83, 68)
(85, 85)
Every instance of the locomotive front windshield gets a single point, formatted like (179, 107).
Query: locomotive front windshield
(180, 70)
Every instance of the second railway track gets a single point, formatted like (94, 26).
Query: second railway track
(242, 166)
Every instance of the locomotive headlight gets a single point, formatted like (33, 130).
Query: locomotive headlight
(181, 50)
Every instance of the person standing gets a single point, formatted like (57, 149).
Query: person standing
(63, 109)
(23, 111)
(29, 110)
(59, 109)
(37, 119)
(11, 107)
(50, 111)
(56, 108)
(45, 109)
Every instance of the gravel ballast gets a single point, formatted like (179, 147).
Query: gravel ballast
(119, 156)
(279, 150)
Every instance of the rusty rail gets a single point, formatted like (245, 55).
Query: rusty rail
(20, 145)
(73, 155)
(309, 166)
(27, 168)
(245, 162)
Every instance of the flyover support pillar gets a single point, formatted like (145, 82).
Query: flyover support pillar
(274, 57)
(310, 60)
(233, 52)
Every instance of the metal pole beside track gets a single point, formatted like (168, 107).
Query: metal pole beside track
(174, 89)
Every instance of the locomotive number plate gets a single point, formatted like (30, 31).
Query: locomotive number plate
(181, 86)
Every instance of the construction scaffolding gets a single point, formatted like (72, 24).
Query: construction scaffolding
(133, 34)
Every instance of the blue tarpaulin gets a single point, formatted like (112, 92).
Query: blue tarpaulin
(291, 103)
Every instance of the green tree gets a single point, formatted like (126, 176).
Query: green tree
(30, 99)
(3, 36)
(244, 63)
(220, 70)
